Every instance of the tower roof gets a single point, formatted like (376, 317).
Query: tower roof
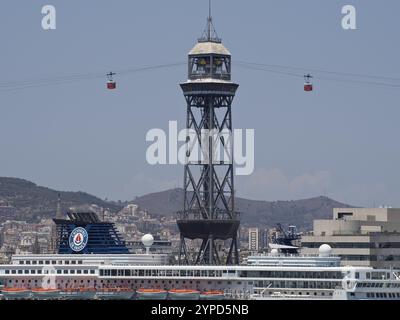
(209, 47)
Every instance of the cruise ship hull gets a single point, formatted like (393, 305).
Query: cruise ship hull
(184, 295)
(78, 295)
(45, 294)
(212, 296)
(115, 295)
(16, 294)
(151, 295)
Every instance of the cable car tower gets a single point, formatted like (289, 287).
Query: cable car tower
(209, 214)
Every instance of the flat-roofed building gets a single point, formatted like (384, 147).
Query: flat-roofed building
(254, 239)
(360, 236)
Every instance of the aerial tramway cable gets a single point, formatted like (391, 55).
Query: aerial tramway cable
(291, 71)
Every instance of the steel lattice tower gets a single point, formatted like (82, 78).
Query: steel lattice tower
(209, 214)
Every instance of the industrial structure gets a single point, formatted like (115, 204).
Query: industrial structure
(209, 213)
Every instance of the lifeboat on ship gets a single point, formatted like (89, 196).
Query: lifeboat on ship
(115, 293)
(151, 294)
(183, 294)
(45, 293)
(212, 295)
(78, 293)
(16, 293)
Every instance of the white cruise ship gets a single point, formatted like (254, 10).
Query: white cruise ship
(148, 276)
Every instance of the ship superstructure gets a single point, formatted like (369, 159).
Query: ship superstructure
(147, 276)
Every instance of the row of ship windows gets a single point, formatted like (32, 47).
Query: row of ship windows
(377, 285)
(298, 284)
(374, 275)
(307, 293)
(293, 274)
(383, 295)
(216, 273)
(39, 271)
(41, 262)
(159, 273)
(130, 281)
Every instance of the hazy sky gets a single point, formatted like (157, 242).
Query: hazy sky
(341, 140)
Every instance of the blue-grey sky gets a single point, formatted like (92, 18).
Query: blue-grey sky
(340, 141)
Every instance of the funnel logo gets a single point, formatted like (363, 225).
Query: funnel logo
(78, 239)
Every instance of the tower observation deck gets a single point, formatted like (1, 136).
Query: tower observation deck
(208, 221)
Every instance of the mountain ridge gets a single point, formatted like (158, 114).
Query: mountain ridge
(253, 212)
(31, 202)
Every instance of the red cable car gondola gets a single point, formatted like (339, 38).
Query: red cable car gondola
(111, 84)
(307, 83)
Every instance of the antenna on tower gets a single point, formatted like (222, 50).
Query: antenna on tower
(209, 34)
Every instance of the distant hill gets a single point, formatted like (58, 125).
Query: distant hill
(253, 212)
(32, 202)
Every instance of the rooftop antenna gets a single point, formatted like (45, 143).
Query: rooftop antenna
(209, 20)
(209, 34)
